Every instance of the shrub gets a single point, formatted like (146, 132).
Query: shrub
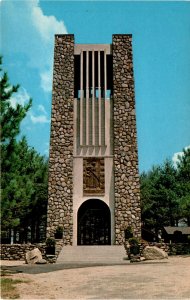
(128, 232)
(133, 241)
(59, 232)
(50, 242)
(50, 246)
(134, 246)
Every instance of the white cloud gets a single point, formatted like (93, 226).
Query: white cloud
(176, 156)
(21, 97)
(32, 36)
(42, 118)
(46, 25)
(46, 151)
(39, 119)
(42, 109)
(46, 80)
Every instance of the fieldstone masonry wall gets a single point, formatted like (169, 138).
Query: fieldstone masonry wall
(127, 188)
(61, 142)
(18, 251)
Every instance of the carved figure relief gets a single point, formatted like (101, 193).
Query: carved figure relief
(93, 176)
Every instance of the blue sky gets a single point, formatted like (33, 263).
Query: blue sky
(161, 53)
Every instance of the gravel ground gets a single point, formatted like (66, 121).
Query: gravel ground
(169, 280)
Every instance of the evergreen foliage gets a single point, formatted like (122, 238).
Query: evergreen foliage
(183, 179)
(165, 194)
(10, 117)
(23, 172)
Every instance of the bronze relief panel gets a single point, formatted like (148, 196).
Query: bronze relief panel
(93, 176)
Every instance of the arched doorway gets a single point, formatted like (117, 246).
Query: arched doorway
(94, 223)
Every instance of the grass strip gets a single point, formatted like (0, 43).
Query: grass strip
(8, 288)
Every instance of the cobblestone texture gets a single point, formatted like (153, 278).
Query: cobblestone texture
(18, 251)
(60, 189)
(127, 188)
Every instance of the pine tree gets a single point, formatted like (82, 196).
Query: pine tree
(183, 177)
(159, 201)
(165, 194)
(23, 170)
(11, 117)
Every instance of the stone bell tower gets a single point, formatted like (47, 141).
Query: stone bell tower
(93, 166)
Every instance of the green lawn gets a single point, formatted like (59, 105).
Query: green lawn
(8, 288)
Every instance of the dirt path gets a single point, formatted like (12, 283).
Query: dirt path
(133, 281)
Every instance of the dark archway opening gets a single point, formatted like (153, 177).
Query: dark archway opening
(94, 223)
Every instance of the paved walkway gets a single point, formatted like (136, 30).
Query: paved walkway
(47, 268)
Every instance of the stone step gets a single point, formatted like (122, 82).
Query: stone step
(103, 254)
